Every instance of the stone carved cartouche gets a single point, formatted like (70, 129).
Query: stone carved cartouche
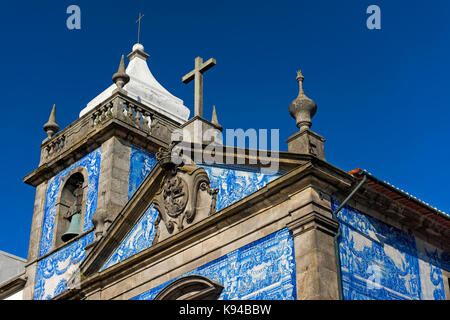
(185, 197)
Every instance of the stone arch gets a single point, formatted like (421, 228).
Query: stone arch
(192, 287)
(64, 199)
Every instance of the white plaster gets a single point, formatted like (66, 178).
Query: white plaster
(144, 88)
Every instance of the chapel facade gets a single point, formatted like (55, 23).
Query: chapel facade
(121, 213)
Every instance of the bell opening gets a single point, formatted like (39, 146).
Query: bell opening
(70, 209)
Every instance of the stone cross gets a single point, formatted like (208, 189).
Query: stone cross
(139, 25)
(197, 75)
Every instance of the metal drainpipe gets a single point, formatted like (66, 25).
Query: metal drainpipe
(338, 234)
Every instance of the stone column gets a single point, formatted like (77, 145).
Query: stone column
(313, 231)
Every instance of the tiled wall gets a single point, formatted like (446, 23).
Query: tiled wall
(54, 271)
(262, 270)
(141, 163)
(233, 185)
(381, 262)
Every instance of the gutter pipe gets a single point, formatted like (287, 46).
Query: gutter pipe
(338, 234)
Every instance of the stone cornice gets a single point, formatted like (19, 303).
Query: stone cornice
(403, 217)
(90, 131)
(313, 220)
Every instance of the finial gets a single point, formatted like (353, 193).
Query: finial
(300, 79)
(300, 76)
(214, 118)
(51, 127)
(120, 78)
(302, 109)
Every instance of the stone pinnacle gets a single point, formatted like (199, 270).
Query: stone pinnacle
(214, 118)
(51, 127)
(302, 109)
(120, 78)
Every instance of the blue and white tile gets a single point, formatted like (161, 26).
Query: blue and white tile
(406, 268)
(138, 239)
(233, 185)
(141, 163)
(91, 163)
(53, 271)
(262, 270)
(431, 262)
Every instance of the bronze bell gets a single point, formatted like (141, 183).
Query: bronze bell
(74, 228)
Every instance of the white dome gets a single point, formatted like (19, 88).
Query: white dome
(144, 88)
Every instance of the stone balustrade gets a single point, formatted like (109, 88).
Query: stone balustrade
(119, 108)
(54, 146)
(136, 115)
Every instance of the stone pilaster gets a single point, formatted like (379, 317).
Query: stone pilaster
(313, 230)
(113, 180)
(35, 238)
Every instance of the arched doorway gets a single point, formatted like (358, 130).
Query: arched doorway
(191, 288)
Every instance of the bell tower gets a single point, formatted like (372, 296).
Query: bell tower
(89, 170)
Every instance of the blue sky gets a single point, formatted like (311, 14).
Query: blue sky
(381, 94)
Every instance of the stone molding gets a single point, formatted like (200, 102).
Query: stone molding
(119, 116)
(191, 287)
(315, 221)
(402, 217)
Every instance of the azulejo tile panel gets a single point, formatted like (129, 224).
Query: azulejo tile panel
(141, 163)
(138, 239)
(142, 234)
(262, 270)
(431, 263)
(381, 262)
(233, 185)
(54, 270)
(91, 163)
